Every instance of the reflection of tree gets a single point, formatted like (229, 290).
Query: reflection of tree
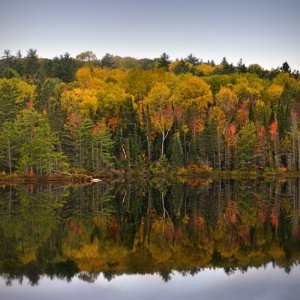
(165, 275)
(109, 275)
(139, 228)
(88, 277)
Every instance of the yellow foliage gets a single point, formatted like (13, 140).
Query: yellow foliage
(193, 92)
(80, 100)
(276, 251)
(274, 92)
(110, 98)
(261, 109)
(83, 74)
(206, 69)
(226, 97)
(173, 65)
(217, 114)
(88, 101)
(23, 89)
(284, 79)
(159, 96)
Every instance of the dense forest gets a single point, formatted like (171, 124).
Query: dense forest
(88, 115)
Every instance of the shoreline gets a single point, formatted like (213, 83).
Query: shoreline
(164, 176)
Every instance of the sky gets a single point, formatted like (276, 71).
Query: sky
(258, 31)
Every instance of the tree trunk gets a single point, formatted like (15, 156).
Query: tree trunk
(9, 158)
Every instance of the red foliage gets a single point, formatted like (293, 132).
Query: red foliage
(231, 213)
(274, 130)
(262, 217)
(29, 105)
(230, 134)
(201, 222)
(178, 112)
(242, 116)
(274, 218)
(294, 115)
(178, 235)
(114, 226)
(243, 231)
(193, 168)
(74, 121)
(31, 173)
(30, 188)
(113, 123)
(75, 228)
(261, 133)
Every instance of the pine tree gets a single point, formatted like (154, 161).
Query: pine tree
(177, 155)
(8, 147)
(211, 145)
(37, 145)
(102, 147)
(245, 147)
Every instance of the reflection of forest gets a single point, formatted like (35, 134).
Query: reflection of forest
(138, 228)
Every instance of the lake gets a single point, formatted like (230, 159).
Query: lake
(200, 239)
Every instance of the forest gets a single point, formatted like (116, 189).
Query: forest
(86, 115)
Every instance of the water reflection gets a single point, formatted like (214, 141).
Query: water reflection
(263, 283)
(86, 233)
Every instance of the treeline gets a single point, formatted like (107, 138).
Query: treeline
(64, 66)
(89, 115)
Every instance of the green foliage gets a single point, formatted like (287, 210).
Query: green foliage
(177, 156)
(135, 111)
(143, 228)
(14, 96)
(246, 146)
(102, 148)
(37, 145)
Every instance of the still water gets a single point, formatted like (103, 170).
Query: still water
(197, 240)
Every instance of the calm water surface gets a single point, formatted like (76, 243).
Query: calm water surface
(197, 240)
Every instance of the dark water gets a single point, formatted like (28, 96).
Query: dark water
(197, 240)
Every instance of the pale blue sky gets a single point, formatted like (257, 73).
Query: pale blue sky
(259, 31)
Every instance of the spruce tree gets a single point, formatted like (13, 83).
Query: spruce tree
(177, 155)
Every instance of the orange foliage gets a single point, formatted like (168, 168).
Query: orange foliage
(74, 121)
(274, 218)
(76, 230)
(193, 168)
(31, 173)
(274, 130)
(231, 213)
(113, 123)
(29, 105)
(230, 134)
(261, 134)
(243, 231)
(262, 217)
(114, 225)
(242, 115)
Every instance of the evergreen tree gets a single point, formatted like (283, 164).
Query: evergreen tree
(245, 146)
(8, 147)
(64, 67)
(31, 63)
(164, 61)
(37, 145)
(102, 147)
(211, 145)
(177, 155)
(129, 146)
